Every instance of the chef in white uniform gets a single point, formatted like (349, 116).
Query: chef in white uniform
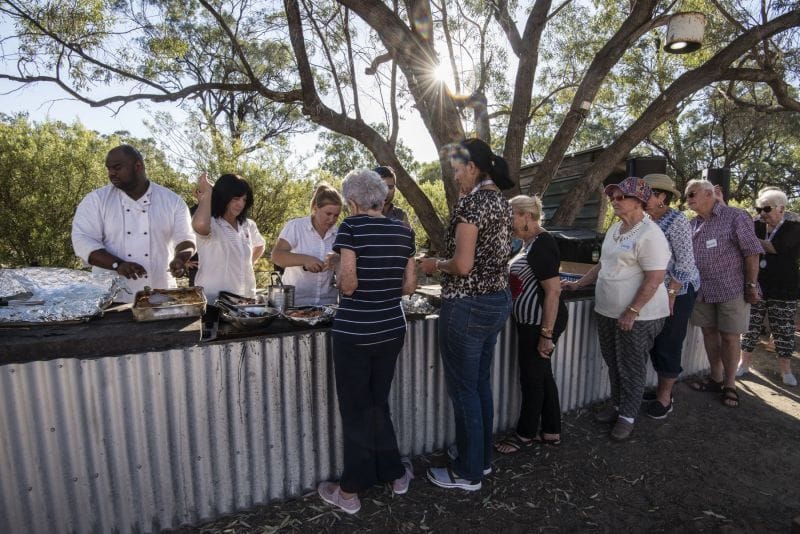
(133, 226)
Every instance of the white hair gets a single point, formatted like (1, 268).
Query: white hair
(771, 197)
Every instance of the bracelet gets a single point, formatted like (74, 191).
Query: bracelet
(436, 265)
(545, 330)
(634, 310)
(672, 292)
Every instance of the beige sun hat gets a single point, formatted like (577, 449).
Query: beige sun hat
(662, 182)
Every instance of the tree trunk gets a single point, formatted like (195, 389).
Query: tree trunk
(663, 107)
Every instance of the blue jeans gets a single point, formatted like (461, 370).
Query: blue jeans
(468, 329)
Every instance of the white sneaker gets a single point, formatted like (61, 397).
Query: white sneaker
(445, 478)
(400, 486)
(742, 370)
(331, 493)
(789, 379)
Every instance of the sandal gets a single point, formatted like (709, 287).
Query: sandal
(553, 442)
(708, 385)
(512, 443)
(730, 397)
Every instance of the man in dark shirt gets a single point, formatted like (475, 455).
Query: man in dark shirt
(390, 210)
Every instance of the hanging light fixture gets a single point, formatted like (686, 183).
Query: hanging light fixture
(685, 32)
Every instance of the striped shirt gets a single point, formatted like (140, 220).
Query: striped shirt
(537, 261)
(721, 243)
(372, 314)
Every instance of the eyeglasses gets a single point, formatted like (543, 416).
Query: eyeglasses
(765, 209)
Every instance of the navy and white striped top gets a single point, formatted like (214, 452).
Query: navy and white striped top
(372, 314)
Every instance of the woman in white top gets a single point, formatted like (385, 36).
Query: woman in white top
(228, 243)
(631, 301)
(303, 247)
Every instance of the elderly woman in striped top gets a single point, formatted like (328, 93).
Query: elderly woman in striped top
(375, 269)
(541, 317)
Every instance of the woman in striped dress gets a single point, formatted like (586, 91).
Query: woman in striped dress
(541, 317)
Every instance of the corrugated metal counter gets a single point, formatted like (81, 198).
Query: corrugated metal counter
(143, 442)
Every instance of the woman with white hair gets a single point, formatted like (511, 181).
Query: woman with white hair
(778, 278)
(375, 269)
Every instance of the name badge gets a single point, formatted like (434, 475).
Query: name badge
(711, 243)
(626, 245)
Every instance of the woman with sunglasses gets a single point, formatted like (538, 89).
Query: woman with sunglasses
(778, 278)
(682, 282)
(631, 300)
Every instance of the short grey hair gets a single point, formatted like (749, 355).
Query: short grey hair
(365, 188)
(771, 197)
(703, 185)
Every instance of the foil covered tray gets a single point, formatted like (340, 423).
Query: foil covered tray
(310, 315)
(36, 295)
(162, 304)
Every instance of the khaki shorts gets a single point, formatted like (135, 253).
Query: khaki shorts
(732, 316)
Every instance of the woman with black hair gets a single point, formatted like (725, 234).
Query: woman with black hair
(228, 243)
(476, 303)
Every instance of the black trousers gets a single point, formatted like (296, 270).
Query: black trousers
(364, 376)
(540, 402)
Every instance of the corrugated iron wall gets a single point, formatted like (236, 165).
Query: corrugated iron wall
(139, 443)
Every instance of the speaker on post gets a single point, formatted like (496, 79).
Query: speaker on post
(720, 177)
(642, 166)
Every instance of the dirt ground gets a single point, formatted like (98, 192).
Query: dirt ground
(706, 468)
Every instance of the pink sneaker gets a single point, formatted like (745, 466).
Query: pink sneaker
(400, 486)
(331, 493)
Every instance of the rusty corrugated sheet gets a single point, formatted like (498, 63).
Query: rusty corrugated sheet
(139, 443)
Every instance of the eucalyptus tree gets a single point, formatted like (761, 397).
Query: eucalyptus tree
(350, 58)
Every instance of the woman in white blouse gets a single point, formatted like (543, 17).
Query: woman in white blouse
(631, 300)
(228, 243)
(303, 247)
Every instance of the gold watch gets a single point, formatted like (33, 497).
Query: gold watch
(672, 292)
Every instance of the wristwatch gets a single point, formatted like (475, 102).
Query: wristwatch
(115, 265)
(546, 331)
(672, 291)
(752, 285)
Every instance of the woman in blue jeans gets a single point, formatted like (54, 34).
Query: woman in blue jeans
(476, 303)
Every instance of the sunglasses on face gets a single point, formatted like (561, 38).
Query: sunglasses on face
(619, 198)
(765, 209)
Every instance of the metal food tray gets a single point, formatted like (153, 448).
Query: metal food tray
(186, 302)
(325, 316)
(242, 315)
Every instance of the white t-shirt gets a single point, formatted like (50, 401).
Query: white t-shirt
(309, 288)
(622, 265)
(225, 258)
(143, 231)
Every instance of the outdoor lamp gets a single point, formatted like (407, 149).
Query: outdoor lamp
(685, 32)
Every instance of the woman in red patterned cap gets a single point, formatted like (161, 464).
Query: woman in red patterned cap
(631, 302)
